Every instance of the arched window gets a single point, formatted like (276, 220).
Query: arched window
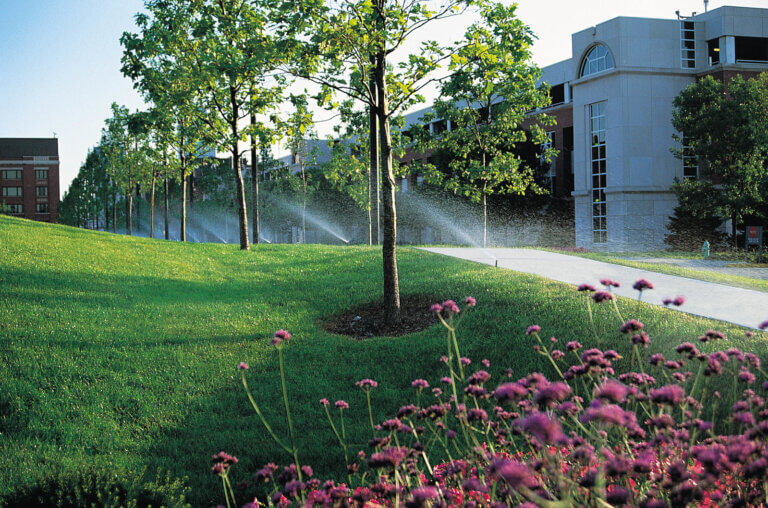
(597, 60)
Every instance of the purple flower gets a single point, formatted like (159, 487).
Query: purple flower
(221, 462)
(280, 337)
(533, 329)
(436, 307)
(586, 287)
(763, 325)
(478, 377)
(420, 384)
(450, 307)
(477, 415)
(617, 496)
(514, 473)
(421, 496)
(367, 384)
(390, 457)
(642, 284)
(670, 395)
(242, 366)
(633, 325)
(602, 296)
(573, 346)
(544, 429)
(266, 472)
(465, 361)
(341, 404)
(324, 401)
(471, 302)
(676, 301)
(746, 376)
(510, 392)
(641, 339)
(610, 283)
(612, 391)
(550, 394)
(656, 359)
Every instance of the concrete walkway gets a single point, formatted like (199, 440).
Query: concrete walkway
(744, 307)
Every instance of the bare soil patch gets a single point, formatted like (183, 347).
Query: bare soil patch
(367, 320)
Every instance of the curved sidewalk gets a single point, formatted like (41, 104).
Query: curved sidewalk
(745, 307)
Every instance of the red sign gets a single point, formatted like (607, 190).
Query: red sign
(752, 232)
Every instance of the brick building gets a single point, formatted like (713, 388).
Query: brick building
(29, 177)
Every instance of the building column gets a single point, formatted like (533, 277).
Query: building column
(727, 49)
(567, 91)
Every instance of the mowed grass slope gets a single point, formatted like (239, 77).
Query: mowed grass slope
(123, 351)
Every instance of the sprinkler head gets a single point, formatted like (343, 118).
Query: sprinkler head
(497, 263)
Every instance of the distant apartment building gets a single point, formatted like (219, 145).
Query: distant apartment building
(613, 104)
(29, 177)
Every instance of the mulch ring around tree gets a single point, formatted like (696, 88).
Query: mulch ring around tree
(368, 320)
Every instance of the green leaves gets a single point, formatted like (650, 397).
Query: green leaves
(492, 72)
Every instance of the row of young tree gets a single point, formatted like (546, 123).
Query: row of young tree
(217, 74)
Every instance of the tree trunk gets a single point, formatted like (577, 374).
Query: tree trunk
(114, 210)
(138, 207)
(240, 188)
(183, 232)
(389, 249)
(129, 208)
(254, 185)
(485, 207)
(304, 205)
(152, 207)
(106, 208)
(165, 206)
(485, 218)
(370, 209)
(374, 176)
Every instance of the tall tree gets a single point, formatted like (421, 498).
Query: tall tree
(228, 46)
(123, 144)
(303, 147)
(726, 127)
(347, 173)
(479, 118)
(156, 61)
(347, 49)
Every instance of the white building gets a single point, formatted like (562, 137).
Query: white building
(613, 104)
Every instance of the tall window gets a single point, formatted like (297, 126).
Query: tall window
(15, 208)
(11, 174)
(41, 174)
(687, 44)
(690, 162)
(42, 191)
(42, 208)
(599, 173)
(11, 192)
(599, 59)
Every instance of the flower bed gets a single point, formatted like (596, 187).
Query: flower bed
(647, 437)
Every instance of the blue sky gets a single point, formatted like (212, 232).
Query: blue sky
(60, 59)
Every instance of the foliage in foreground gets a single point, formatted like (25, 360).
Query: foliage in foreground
(648, 437)
(103, 487)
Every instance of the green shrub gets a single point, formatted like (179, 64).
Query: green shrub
(98, 487)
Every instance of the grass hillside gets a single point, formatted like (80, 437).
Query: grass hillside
(122, 351)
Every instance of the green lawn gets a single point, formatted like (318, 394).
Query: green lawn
(122, 351)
